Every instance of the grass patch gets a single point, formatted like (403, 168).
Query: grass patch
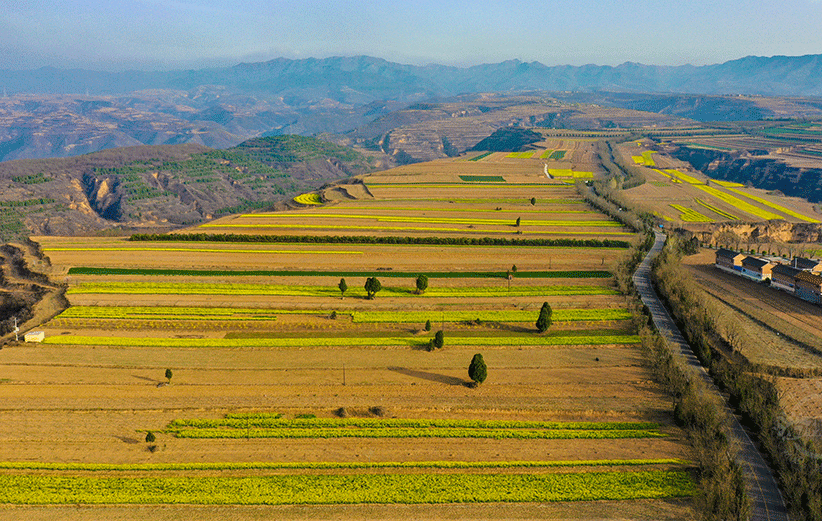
(481, 156)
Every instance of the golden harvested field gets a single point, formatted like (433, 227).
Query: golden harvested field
(92, 401)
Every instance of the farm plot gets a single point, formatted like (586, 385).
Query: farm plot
(367, 413)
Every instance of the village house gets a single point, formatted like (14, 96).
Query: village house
(756, 269)
(801, 263)
(729, 260)
(784, 277)
(809, 287)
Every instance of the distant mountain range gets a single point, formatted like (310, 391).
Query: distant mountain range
(362, 79)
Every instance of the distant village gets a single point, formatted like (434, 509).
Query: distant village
(799, 276)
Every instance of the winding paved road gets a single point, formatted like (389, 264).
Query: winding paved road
(766, 500)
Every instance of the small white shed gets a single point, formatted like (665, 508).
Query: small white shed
(35, 336)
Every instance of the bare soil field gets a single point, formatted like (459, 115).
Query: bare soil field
(65, 403)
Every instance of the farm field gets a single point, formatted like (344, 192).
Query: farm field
(679, 194)
(295, 392)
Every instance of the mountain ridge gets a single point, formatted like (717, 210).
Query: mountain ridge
(373, 78)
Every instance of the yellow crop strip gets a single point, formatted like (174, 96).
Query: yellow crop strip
(347, 488)
(639, 160)
(209, 250)
(774, 206)
(567, 172)
(684, 177)
(737, 203)
(310, 199)
(646, 156)
(521, 155)
(727, 184)
(432, 220)
(717, 210)
(691, 215)
(546, 154)
(405, 228)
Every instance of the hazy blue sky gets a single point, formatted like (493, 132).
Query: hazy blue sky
(162, 34)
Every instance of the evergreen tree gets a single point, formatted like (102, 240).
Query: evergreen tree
(428, 325)
(477, 371)
(439, 339)
(544, 320)
(422, 284)
(169, 374)
(343, 287)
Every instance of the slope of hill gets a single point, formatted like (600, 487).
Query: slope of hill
(163, 186)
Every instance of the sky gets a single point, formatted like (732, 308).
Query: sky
(118, 35)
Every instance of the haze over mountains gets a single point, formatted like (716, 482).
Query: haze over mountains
(358, 100)
(362, 79)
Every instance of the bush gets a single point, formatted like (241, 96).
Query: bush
(150, 438)
(544, 320)
(439, 339)
(428, 325)
(422, 284)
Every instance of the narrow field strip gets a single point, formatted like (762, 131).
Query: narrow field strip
(481, 156)
(546, 154)
(458, 186)
(80, 270)
(684, 177)
(273, 421)
(774, 206)
(716, 210)
(690, 215)
(524, 201)
(417, 219)
(194, 288)
(400, 317)
(331, 465)
(559, 315)
(399, 432)
(567, 172)
(346, 489)
(737, 203)
(143, 341)
(727, 184)
(482, 178)
(331, 210)
(206, 250)
(520, 155)
(407, 228)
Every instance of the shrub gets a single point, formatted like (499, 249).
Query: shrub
(150, 438)
(169, 374)
(439, 339)
(428, 325)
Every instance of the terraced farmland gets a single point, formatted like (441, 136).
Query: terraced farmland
(290, 388)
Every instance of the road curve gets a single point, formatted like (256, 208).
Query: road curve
(766, 500)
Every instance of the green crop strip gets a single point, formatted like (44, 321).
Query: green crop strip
(205, 250)
(522, 341)
(690, 215)
(481, 156)
(331, 210)
(469, 229)
(737, 203)
(330, 465)
(79, 270)
(193, 288)
(346, 489)
(483, 178)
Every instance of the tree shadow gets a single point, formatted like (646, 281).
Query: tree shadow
(130, 441)
(152, 380)
(514, 328)
(432, 377)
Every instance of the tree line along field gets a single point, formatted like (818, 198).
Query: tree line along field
(293, 392)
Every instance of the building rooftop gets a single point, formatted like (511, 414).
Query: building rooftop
(807, 276)
(753, 262)
(784, 269)
(722, 252)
